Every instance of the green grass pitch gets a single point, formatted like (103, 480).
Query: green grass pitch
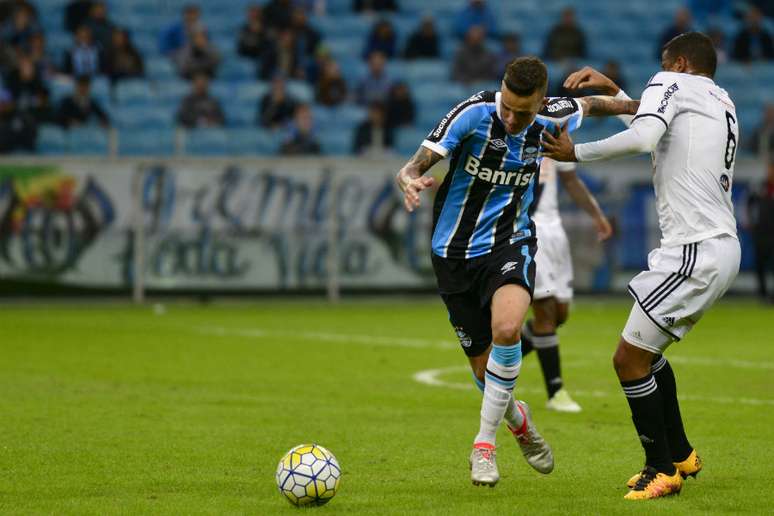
(109, 409)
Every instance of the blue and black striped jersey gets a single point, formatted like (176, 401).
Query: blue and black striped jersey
(484, 202)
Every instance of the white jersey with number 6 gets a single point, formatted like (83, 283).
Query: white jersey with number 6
(694, 159)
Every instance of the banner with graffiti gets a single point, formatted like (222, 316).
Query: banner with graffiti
(210, 225)
(280, 225)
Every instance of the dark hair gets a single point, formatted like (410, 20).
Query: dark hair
(697, 48)
(526, 75)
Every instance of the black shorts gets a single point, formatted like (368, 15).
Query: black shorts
(467, 287)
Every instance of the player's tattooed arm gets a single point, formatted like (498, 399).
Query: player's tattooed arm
(410, 179)
(598, 105)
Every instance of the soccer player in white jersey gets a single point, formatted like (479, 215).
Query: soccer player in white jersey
(689, 125)
(553, 275)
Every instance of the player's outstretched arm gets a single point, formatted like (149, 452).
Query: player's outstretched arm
(587, 202)
(409, 178)
(599, 105)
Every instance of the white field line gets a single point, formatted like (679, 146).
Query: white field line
(375, 340)
(433, 378)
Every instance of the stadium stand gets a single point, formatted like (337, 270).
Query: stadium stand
(142, 109)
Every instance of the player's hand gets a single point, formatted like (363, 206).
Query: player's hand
(559, 147)
(588, 77)
(411, 187)
(604, 229)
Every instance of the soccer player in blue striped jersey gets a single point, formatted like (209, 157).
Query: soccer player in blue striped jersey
(484, 241)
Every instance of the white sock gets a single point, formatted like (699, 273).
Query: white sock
(513, 416)
(502, 369)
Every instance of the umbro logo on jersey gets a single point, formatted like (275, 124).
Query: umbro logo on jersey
(508, 267)
(498, 144)
(669, 321)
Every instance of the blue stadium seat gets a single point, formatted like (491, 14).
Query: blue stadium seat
(134, 91)
(240, 113)
(89, 140)
(253, 142)
(144, 142)
(207, 142)
(336, 143)
(51, 140)
(435, 70)
(171, 92)
(300, 91)
(134, 117)
(251, 91)
(238, 70)
(408, 139)
(160, 69)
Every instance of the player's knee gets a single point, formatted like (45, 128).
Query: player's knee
(506, 332)
(543, 326)
(562, 313)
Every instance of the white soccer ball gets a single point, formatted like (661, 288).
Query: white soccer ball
(308, 475)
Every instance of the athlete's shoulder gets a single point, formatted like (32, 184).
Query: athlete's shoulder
(665, 78)
(560, 108)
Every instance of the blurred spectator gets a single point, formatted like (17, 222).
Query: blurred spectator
(373, 136)
(101, 27)
(301, 139)
(753, 42)
(199, 108)
(198, 56)
(84, 59)
(80, 108)
(566, 39)
(122, 59)
(76, 13)
(253, 36)
(306, 38)
(375, 86)
(718, 38)
(18, 31)
(367, 6)
(381, 39)
(682, 23)
(276, 106)
(9, 7)
(423, 42)
(282, 57)
(40, 57)
(760, 209)
(25, 84)
(763, 141)
(277, 13)
(18, 130)
(475, 14)
(766, 7)
(510, 49)
(174, 37)
(331, 86)
(473, 61)
(400, 106)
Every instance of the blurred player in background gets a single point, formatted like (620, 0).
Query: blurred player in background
(553, 275)
(484, 244)
(689, 125)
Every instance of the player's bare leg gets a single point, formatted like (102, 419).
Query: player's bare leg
(500, 370)
(540, 334)
(659, 477)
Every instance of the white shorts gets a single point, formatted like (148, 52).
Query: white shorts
(553, 264)
(681, 284)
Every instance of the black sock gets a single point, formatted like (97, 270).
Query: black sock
(673, 421)
(547, 346)
(647, 409)
(526, 339)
